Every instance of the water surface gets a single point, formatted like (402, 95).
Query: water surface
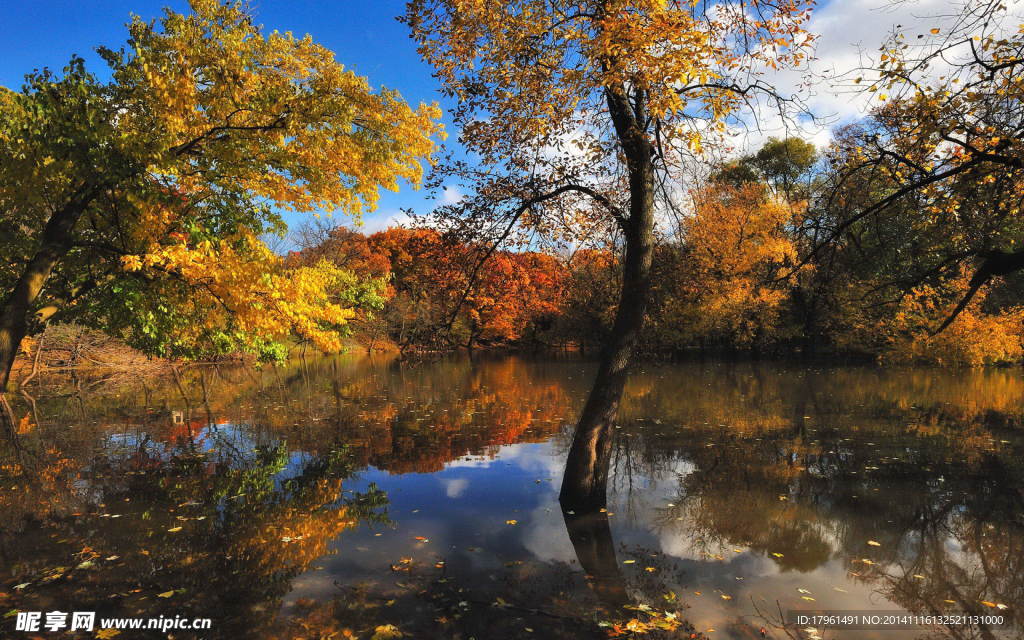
(345, 495)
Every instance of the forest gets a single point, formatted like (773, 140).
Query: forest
(514, 319)
(740, 272)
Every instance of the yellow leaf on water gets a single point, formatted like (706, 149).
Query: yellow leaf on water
(103, 634)
(386, 632)
(725, 597)
(512, 522)
(650, 569)
(174, 529)
(628, 561)
(808, 598)
(778, 555)
(165, 594)
(874, 544)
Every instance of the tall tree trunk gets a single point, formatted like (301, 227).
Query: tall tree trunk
(584, 485)
(56, 242)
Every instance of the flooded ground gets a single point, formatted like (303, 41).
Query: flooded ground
(368, 498)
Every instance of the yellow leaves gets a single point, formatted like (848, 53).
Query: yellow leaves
(165, 594)
(512, 522)
(202, 76)
(386, 632)
(534, 68)
(174, 530)
(874, 543)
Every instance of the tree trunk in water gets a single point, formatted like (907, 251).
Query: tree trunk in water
(584, 485)
(56, 242)
(591, 538)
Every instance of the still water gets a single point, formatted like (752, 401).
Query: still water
(350, 497)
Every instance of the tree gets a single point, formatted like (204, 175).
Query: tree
(578, 112)
(138, 204)
(737, 244)
(936, 174)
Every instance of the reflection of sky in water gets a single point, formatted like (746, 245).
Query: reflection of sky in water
(462, 511)
(750, 461)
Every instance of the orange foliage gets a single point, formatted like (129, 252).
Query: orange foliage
(737, 242)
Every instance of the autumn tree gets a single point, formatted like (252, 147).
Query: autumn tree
(738, 242)
(138, 204)
(933, 180)
(578, 112)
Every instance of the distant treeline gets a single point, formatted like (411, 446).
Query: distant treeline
(726, 278)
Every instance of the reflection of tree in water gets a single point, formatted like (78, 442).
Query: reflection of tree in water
(199, 536)
(928, 481)
(801, 463)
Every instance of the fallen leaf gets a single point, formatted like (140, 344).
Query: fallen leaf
(386, 632)
(874, 544)
(512, 522)
(165, 594)
(174, 530)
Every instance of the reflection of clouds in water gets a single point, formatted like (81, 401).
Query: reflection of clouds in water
(544, 533)
(538, 458)
(454, 487)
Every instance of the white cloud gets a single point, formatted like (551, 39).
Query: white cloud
(451, 195)
(454, 487)
(849, 33)
(383, 220)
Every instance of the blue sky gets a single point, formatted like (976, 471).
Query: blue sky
(363, 33)
(365, 36)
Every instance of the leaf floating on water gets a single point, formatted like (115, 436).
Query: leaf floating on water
(650, 569)
(628, 561)
(165, 594)
(512, 522)
(874, 544)
(919, 576)
(386, 632)
(174, 530)
(725, 597)
(807, 598)
(802, 590)
(778, 555)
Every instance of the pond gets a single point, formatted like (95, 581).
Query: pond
(378, 498)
